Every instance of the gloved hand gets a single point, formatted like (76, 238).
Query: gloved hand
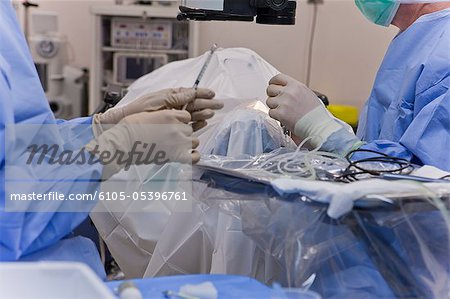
(199, 103)
(301, 111)
(290, 100)
(146, 138)
(202, 109)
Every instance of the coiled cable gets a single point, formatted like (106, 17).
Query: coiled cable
(386, 164)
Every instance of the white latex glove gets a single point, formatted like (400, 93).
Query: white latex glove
(165, 132)
(199, 103)
(290, 100)
(303, 113)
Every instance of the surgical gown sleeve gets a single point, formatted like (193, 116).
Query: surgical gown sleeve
(22, 101)
(76, 132)
(23, 233)
(425, 141)
(408, 112)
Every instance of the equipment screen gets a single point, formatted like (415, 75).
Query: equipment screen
(137, 67)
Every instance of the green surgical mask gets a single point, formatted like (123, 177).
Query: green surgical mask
(380, 12)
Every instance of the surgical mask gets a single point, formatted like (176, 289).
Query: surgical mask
(380, 12)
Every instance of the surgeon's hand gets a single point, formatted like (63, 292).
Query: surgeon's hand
(290, 100)
(162, 136)
(200, 104)
(301, 111)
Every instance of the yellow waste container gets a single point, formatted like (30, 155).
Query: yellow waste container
(348, 114)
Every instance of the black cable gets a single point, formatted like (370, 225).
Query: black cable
(311, 44)
(447, 177)
(356, 168)
(402, 165)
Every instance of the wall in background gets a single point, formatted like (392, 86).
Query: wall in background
(348, 49)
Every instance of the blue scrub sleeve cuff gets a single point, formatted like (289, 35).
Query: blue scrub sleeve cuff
(342, 142)
(80, 121)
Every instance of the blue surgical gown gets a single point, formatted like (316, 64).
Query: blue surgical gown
(408, 112)
(35, 236)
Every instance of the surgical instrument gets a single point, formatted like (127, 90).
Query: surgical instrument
(213, 49)
(393, 176)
